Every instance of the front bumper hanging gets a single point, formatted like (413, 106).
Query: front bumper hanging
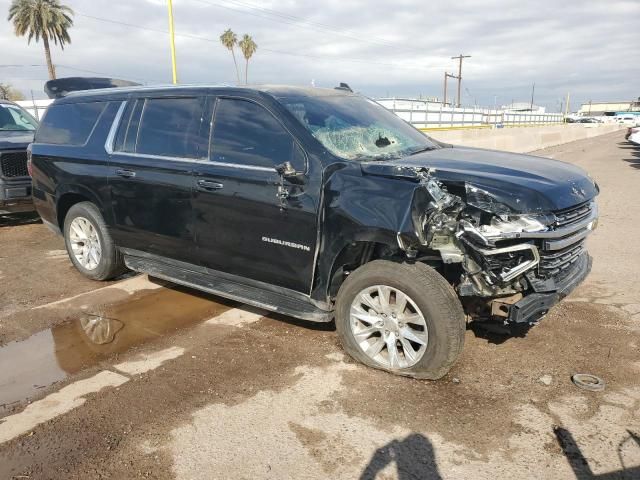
(535, 305)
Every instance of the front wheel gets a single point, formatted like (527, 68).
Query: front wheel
(400, 317)
(89, 243)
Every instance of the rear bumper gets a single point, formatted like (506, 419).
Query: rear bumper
(15, 195)
(535, 305)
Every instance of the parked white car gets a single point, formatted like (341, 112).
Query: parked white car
(629, 120)
(633, 135)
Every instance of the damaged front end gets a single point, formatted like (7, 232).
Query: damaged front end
(504, 265)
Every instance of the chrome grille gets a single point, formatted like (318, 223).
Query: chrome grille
(571, 215)
(554, 262)
(13, 164)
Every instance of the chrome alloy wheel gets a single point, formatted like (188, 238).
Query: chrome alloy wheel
(388, 327)
(85, 243)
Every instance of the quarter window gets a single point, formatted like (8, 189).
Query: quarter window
(245, 133)
(69, 123)
(170, 127)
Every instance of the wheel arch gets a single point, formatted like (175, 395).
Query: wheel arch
(69, 195)
(362, 249)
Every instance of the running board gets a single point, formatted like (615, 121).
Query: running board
(225, 286)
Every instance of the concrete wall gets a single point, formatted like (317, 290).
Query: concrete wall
(522, 139)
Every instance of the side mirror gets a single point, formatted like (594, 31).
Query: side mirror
(287, 172)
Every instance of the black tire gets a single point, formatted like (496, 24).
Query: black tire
(435, 298)
(111, 262)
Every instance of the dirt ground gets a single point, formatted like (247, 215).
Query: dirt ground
(199, 388)
(34, 267)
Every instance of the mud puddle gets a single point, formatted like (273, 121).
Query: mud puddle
(98, 333)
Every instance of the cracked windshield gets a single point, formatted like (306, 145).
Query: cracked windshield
(356, 128)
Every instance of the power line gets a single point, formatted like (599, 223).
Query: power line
(279, 52)
(68, 67)
(298, 22)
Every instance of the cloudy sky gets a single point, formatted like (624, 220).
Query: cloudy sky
(381, 48)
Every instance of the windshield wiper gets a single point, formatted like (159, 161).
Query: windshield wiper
(375, 158)
(422, 149)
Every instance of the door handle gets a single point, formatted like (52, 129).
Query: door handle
(125, 173)
(209, 185)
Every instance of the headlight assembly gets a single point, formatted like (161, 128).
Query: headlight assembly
(510, 225)
(504, 222)
(483, 200)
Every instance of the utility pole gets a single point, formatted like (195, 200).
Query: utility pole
(446, 76)
(459, 58)
(172, 43)
(444, 98)
(533, 90)
(566, 113)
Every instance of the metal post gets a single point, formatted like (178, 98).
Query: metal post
(533, 90)
(35, 107)
(174, 69)
(444, 98)
(459, 58)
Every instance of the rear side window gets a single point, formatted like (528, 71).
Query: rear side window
(70, 123)
(245, 133)
(172, 127)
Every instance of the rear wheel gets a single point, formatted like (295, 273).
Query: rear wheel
(399, 317)
(89, 243)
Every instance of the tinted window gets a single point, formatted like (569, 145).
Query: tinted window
(245, 133)
(69, 124)
(172, 127)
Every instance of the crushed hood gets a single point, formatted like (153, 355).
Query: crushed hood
(524, 182)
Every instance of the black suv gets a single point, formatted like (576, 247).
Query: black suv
(316, 203)
(16, 133)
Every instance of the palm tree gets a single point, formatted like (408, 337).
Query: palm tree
(48, 19)
(248, 47)
(230, 40)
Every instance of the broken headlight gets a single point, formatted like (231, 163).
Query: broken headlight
(511, 225)
(504, 222)
(485, 201)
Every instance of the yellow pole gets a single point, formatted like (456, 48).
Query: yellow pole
(174, 69)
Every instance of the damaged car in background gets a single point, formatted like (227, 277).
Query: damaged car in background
(318, 204)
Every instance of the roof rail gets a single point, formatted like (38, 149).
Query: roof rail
(62, 86)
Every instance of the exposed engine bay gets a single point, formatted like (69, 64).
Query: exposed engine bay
(494, 257)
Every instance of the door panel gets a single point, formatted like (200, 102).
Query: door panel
(152, 209)
(242, 227)
(151, 174)
(239, 227)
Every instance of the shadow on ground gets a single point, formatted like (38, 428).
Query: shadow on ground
(497, 333)
(318, 326)
(413, 456)
(580, 465)
(634, 152)
(16, 219)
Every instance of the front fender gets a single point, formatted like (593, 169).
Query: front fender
(366, 208)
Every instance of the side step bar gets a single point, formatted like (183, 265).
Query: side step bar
(225, 286)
